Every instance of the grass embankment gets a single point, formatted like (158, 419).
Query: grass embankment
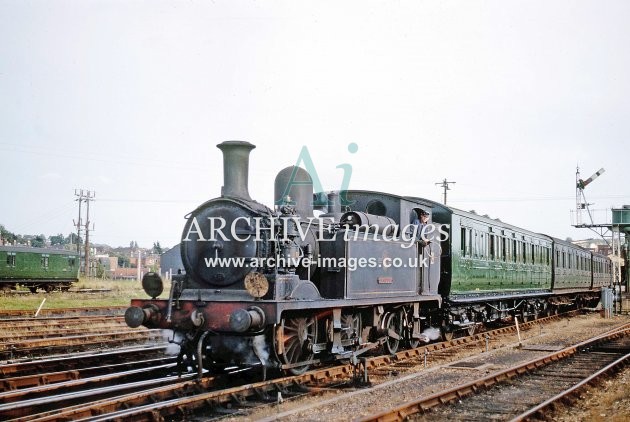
(120, 294)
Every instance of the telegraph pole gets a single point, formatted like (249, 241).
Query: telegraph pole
(79, 194)
(139, 266)
(84, 196)
(445, 184)
(89, 197)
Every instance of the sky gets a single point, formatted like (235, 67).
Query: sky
(130, 98)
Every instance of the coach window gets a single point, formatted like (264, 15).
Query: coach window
(547, 255)
(526, 252)
(11, 260)
(491, 245)
(477, 246)
(44, 261)
(498, 248)
(71, 262)
(557, 258)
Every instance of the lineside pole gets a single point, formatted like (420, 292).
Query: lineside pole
(445, 184)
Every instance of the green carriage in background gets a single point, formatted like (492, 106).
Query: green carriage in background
(37, 268)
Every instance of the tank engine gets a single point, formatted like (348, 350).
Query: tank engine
(274, 287)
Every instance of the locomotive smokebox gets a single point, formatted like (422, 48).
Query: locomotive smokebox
(296, 183)
(235, 168)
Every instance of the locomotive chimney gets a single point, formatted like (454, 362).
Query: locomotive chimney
(235, 168)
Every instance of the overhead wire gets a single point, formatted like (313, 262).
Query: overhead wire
(111, 159)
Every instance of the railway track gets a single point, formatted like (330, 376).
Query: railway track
(27, 337)
(620, 349)
(180, 398)
(524, 390)
(74, 361)
(27, 328)
(100, 310)
(50, 374)
(28, 349)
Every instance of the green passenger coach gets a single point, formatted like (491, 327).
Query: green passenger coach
(490, 269)
(487, 256)
(48, 269)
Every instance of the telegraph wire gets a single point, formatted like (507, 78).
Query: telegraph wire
(26, 228)
(121, 160)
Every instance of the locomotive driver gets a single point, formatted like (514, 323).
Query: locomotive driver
(421, 222)
(427, 252)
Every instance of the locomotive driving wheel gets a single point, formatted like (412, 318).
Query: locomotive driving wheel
(394, 327)
(294, 338)
(350, 329)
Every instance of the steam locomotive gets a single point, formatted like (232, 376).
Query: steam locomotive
(313, 280)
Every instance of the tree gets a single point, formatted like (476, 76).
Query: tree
(72, 239)
(157, 248)
(6, 235)
(123, 261)
(39, 241)
(100, 271)
(57, 240)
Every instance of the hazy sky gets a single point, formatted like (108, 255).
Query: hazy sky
(129, 99)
